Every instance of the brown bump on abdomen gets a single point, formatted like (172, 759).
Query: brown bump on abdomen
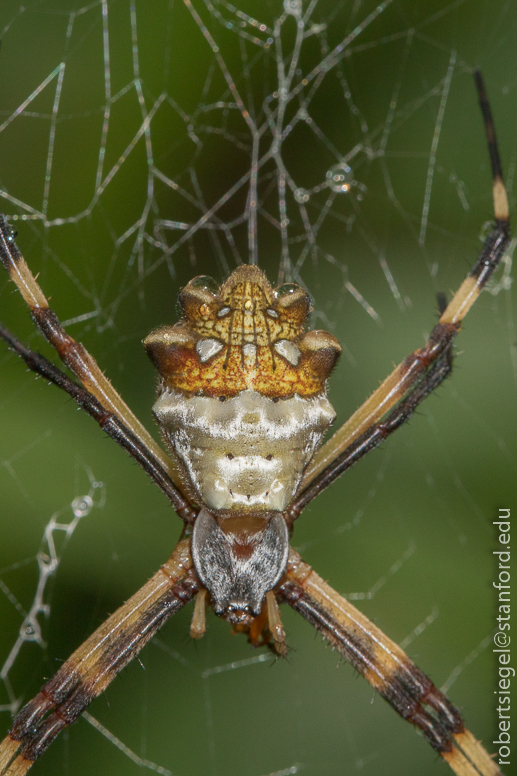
(320, 352)
(170, 348)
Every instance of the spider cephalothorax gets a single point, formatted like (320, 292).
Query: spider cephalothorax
(243, 335)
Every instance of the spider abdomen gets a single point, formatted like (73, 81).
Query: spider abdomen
(246, 454)
(239, 560)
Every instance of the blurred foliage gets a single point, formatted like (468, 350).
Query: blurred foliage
(415, 515)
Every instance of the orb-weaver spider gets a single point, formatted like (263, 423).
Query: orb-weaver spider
(243, 470)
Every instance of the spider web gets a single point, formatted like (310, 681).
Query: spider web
(338, 144)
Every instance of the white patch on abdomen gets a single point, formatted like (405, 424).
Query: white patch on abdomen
(247, 453)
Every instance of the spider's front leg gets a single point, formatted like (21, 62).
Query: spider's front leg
(93, 666)
(424, 369)
(77, 358)
(98, 397)
(386, 667)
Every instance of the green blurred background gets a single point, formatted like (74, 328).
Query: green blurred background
(410, 527)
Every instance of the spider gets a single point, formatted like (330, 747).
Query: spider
(242, 407)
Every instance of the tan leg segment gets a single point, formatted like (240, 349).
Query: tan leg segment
(72, 353)
(92, 667)
(198, 624)
(404, 377)
(387, 668)
(406, 374)
(391, 391)
(275, 624)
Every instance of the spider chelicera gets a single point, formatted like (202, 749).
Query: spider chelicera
(242, 407)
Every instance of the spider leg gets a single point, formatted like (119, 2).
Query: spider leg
(73, 353)
(386, 667)
(374, 435)
(198, 624)
(108, 421)
(413, 369)
(93, 666)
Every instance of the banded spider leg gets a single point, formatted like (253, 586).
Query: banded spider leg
(385, 666)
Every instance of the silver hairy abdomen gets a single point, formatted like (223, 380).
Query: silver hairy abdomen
(245, 454)
(242, 460)
(239, 567)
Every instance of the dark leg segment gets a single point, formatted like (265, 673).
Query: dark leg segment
(108, 421)
(377, 433)
(386, 667)
(407, 691)
(73, 353)
(97, 662)
(412, 374)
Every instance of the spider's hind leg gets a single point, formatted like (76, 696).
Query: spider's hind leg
(387, 669)
(95, 664)
(424, 369)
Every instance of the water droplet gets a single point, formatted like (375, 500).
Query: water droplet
(340, 178)
(287, 288)
(486, 229)
(82, 505)
(301, 195)
(293, 7)
(206, 283)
